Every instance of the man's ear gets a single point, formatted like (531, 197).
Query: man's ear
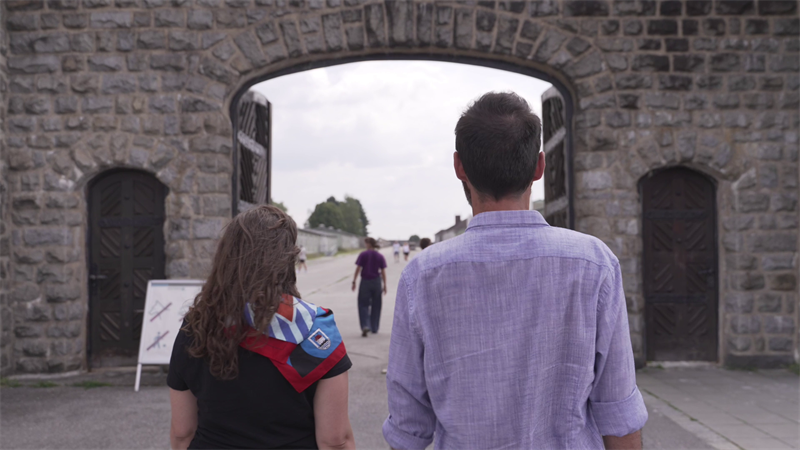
(459, 167)
(539, 168)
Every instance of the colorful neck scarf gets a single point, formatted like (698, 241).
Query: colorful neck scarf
(302, 341)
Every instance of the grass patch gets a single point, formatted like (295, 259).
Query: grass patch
(44, 384)
(655, 366)
(90, 384)
(5, 382)
(794, 368)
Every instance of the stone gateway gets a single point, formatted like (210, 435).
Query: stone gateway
(104, 93)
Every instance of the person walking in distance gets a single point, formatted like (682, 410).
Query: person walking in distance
(301, 259)
(396, 251)
(406, 250)
(515, 333)
(372, 267)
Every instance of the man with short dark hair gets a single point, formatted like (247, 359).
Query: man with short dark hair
(513, 334)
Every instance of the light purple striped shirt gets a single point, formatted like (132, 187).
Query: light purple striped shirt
(513, 335)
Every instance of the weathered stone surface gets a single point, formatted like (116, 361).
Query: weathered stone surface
(743, 324)
(111, 19)
(650, 63)
(33, 64)
(250, 49)
(375, 27)
(101, 84)
(549, 45)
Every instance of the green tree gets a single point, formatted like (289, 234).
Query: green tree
(347, 215)
(354, 216)
(414, 238)
(328, 214)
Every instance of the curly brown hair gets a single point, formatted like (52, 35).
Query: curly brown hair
(254, 263)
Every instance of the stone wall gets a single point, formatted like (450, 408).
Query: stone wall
(97, 84)
(6, 317)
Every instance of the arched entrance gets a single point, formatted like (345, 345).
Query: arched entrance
(251, 144)
(126, 249)
(680, 266)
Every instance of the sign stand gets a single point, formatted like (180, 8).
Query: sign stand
(165, 304)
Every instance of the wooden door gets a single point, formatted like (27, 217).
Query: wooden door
(556, 174)
(680, 266)
(126, 247)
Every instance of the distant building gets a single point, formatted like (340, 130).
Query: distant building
(455, 230)
(327, 240)
(345, 239)
(317, 241)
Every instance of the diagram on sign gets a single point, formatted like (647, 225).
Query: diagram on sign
(157, 310)
(158, 341)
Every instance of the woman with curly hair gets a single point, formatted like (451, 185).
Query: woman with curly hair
(254, 366)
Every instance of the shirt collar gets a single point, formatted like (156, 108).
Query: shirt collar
(507, 219)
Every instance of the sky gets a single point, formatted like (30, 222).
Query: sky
(381, 132)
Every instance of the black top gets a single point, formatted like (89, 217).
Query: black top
(258, 409)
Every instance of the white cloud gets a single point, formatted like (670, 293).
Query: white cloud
(381, 131)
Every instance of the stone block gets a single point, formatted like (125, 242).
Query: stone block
(747, 202)
(217, 71)
(170, 18)
(779, 262)
(216, 206)
(768, 303)
(739, 343)
(33, 64)
(662, 27)
(111, 19)
(773, 242)
(168, 62)
(35, 237)
(29, 331)
(24, 292)
(780, 344)
(784, 201)
(650, 63)
(776, 7)
(210, 144)
(783, 282)
(633, 81)
(250, 49)
(744, 324)
(62, 293)
(97, 105)
(549, 45)
(747, 281)
(207, 228)
(738, 302)
(786, 27)
(199, 19)
(64, 329)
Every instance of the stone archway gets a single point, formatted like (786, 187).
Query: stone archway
(148, 84)
(559, 121)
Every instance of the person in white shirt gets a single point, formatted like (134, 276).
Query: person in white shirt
(301, 259)
(396, 249)
(406, 250)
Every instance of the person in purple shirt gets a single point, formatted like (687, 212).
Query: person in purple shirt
(513, 334)
(372, 267)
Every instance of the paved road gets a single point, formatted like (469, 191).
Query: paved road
(114, 417)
